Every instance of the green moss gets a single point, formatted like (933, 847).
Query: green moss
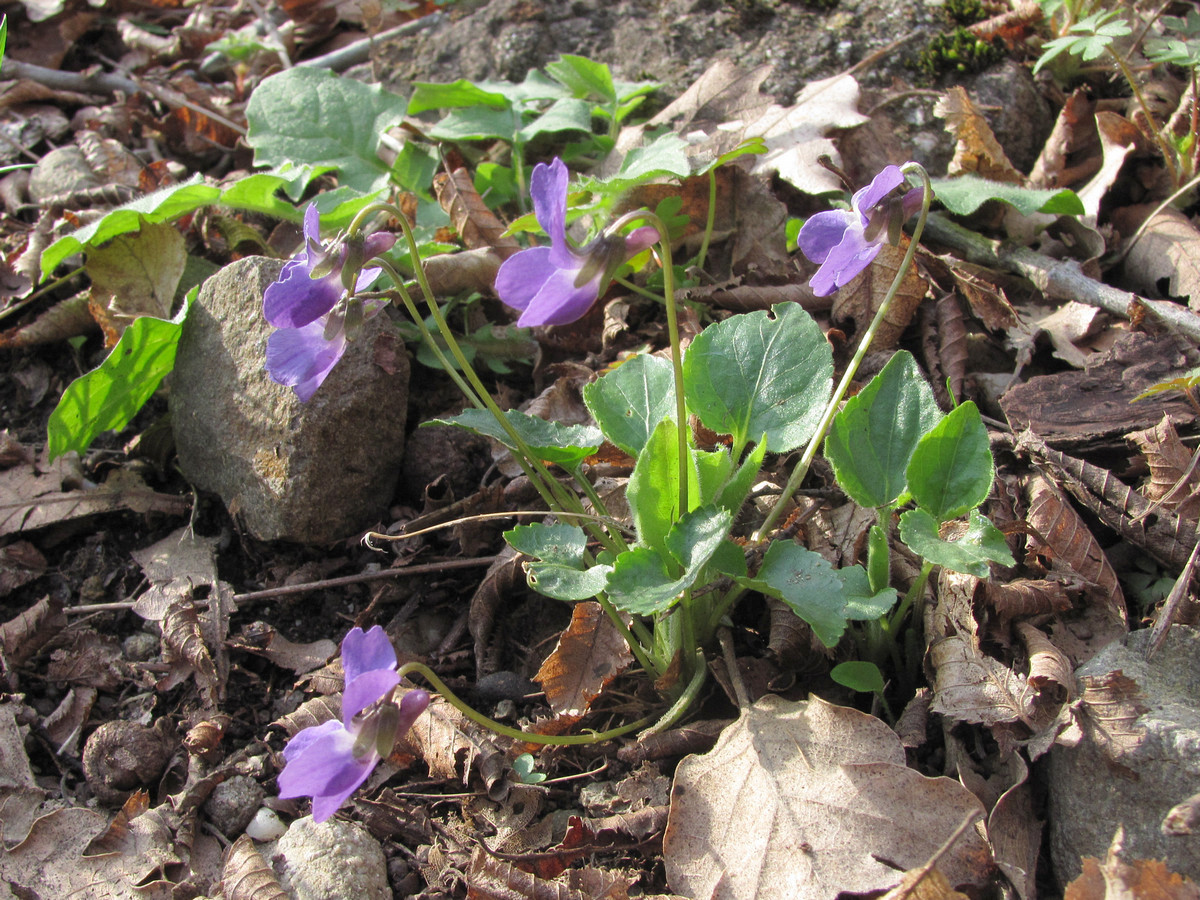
(959, 52)
(965, 12)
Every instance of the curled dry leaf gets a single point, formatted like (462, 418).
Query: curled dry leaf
(1026, 597)
(589, 655)
(20, 563)
(246, 875)
(976, 151)
(135, 274)
(1115, 878)
(1118, 137)
(695, 737)
(183, 639)
(310, 714)
(461, 273)
(504, 576)
(1174, 481)
(805, 800)
(22, 637)
(952, 341)
(1049, 668)
(63, 726)
(451, 745)
(1069, 543)
(64, 320)
(50, 862)
(477, 225)
(489, 878)
(913, 725)
(299, 658)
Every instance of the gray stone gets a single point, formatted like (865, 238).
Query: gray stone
(1093, 791)
(334, 860)
(310, 472)
(233, 803)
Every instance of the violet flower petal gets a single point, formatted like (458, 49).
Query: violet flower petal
(412, 705)
(365, 690)
(296, 299)
(548, 189)
(522, 275)
(325, 769)
(845, 261)
(301, 357)
(866, 199)
(365, 651)
(559, 301)
(306, 736)
(824, 231)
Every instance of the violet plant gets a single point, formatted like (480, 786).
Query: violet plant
(766, 380)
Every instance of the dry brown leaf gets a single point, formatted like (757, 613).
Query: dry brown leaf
(20, 795)
(89, 658)
(450, 274)
(1014, 829)
(1072, 152)
(504, 576)
(1115, 879)
(953, 348)
(1071, 545)
(64, 725)
(805, 800)
(33, 496)
(22, 637)
(447, 741)
(490, 878)
(1165, 261)
(135, 274)
(1049, 668)
(475, 223)
(924, 884)
(913, 725)
(64, 320)
(977, 152)
(1183, 818)
(1174, 482)
(50, 862)
(20, 563)
(247, 876)
(589, 654)
(268, 642)
(1109, 709)
(860, 300)
(970, 686)
(311, 713)
(1118, 137)
(1026, 597)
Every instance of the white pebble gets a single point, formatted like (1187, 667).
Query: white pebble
(266, 826)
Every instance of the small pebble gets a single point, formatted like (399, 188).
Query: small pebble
(233, 804)
(140, 646)
(266, 826)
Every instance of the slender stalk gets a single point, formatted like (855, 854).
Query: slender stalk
(685, 700)
(1163, 147)
(712, 218)
(507, 730)
(810, 452)
(910, 597)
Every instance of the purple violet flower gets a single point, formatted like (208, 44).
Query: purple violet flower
(558, 284)
(329, 762)
(312, 304)
(844, 241)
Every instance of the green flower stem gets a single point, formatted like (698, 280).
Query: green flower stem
(712, 219)
(685, 700)
(636, 289)
(668, 268)
(831, 410)
(507, 730)
(915, 591)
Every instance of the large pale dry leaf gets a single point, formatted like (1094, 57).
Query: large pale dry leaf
(805, 800)
(36, 495)
(175, 567)
(1118, 137)
(50, 862)
(970, 686)
(861, 299)
(724, 107)
(976, 152)
(1165, 262)
(135, 274)
(589, 654)
(20, 795)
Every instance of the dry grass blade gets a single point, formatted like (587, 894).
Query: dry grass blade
(247, 876)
